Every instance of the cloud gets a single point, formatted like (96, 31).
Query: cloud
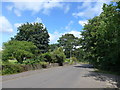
(69, 30)
(89, 9)
(67, 8)
(68, 27)
(5, 25)
(56, 35)
(17, 12)
(9, 7)
(55, 0)
(16, 25)
(35, 7)
(83, 22)
(75, 33)
(39, 20)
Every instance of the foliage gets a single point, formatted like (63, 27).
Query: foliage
(30, 61)
(79, 54)
(74, 59)
(58, 56)
(101, 39)
(18, 50)
(47, 57)
(0, 57)
(67, 60)
(36, 33)
(52, 47)
(68, 42)
(44, 64)
(12, 68)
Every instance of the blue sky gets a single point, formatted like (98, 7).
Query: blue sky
(58, 17)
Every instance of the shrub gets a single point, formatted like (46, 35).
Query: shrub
(58, 56)
(31, 61)
(73, 59)
(47, 57)
(12, 68)
(67, 60)
(40, 58)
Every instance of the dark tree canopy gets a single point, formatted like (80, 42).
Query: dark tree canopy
(68, 42)
(52, 47)
(36, 33)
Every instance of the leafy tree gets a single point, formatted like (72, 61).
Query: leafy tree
(58, 56)
(18, 50)
(101, 38)
(36, 33)
(52, 47)
(47, 57)
(68, 42)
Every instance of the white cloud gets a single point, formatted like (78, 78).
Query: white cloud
(55, 0)
(5, 25)
(75, 33)
(9, 7)
(67, 8)
(89, 9)
(39, 20)
(35, 7)
(16, 25)
(17, 12)
(68, 27)
(69, 30)
(56, 35)
(83, 22)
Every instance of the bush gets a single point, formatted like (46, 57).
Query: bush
(47, 57)
(12, 68)
(73, 59)
(58, 56)
(67, 60)
(40, 58)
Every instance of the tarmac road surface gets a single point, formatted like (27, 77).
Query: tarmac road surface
(74, 76)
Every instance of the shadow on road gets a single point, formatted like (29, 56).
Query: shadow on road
(114, 80)
(84, 66)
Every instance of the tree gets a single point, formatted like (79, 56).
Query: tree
(101, 38)
(36, 33)
(18, 50)
(52, 47)
(58, 56)
(47, 57)
(68, 42)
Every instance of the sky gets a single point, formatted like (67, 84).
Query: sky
(58, 17)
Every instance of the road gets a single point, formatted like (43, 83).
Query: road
(78, 76)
